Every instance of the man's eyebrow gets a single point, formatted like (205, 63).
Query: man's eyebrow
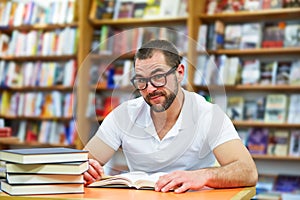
(153, 72)
(157, 70)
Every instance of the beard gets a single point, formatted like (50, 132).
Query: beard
(169, 98)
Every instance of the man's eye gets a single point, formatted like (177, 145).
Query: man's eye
(157, 77)
(141, 80)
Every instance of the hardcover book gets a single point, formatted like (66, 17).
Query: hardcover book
(51, 168)
(32, 189)
(23, 179)
(43, 155)
(138, 180)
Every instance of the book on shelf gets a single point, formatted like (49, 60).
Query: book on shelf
(278, 142)
(152, 9)
(139, 9)
(291, 35)
(271, 4)
(250, 71)
(294, 109)
(283, 73)
(235, 107)
(258, 140)
(273, 35)
(276, 108)
(43, 155)
(131, 179)
(103, 9)
(169, 8)
(123, 9)
(32, 189)
(250, 110)
(261, 108)
(233, 35)
(294, 78)
(294, 146)
(5, 132)
(268, 73)
(23, 179)
(287, 183)
(251, 34)
(265, 183)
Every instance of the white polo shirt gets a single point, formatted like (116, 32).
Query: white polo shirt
(200, 127)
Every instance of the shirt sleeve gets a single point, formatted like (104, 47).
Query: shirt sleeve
(221, 128)
(109, 133)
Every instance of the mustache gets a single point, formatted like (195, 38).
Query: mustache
(155, 93)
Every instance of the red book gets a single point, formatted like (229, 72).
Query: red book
(5, 132)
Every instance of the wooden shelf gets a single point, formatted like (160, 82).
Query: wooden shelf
(245, 88)
(248, 16)
(14, 141)
(129, 88)
(36, 118)
(38, 58)
(271, 157)
(138, 22)
(263, 124)
(31, 88)
(45, 27)
(109, 57)
(257, 51)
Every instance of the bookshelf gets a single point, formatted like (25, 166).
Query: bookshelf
(285, 164)
(36, 37)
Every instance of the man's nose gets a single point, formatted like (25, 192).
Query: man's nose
(150, 88)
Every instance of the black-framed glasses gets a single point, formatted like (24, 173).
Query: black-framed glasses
(158, 80)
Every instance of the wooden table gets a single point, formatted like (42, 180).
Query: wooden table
(132, 194)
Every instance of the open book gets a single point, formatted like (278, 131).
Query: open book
(132, 179)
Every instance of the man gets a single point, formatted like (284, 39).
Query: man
(169, 129)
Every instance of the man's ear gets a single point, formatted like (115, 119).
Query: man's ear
(180, 71)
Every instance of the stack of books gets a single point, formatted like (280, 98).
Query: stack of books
(44, 170)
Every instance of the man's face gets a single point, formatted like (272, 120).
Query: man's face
(159, 98)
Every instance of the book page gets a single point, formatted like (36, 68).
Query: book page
(131, 179)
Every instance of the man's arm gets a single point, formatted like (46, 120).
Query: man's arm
(99, 154)
(237, 170)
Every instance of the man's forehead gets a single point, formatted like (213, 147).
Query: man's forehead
(151, 67)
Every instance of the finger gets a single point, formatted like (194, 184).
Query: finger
(171, 185)
(88, 179)
(97, 167)
(95, 171)
(162, 181)
(183, 188)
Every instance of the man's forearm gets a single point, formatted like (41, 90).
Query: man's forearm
(236, 174)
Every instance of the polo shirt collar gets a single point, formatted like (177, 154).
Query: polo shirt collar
(180, 124)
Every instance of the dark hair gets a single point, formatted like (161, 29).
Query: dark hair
(167, 48)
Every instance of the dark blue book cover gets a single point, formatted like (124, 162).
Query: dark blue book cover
(287, 183)
(258, 140)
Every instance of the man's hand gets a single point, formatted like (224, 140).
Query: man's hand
(94, 173)
(180, 181)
